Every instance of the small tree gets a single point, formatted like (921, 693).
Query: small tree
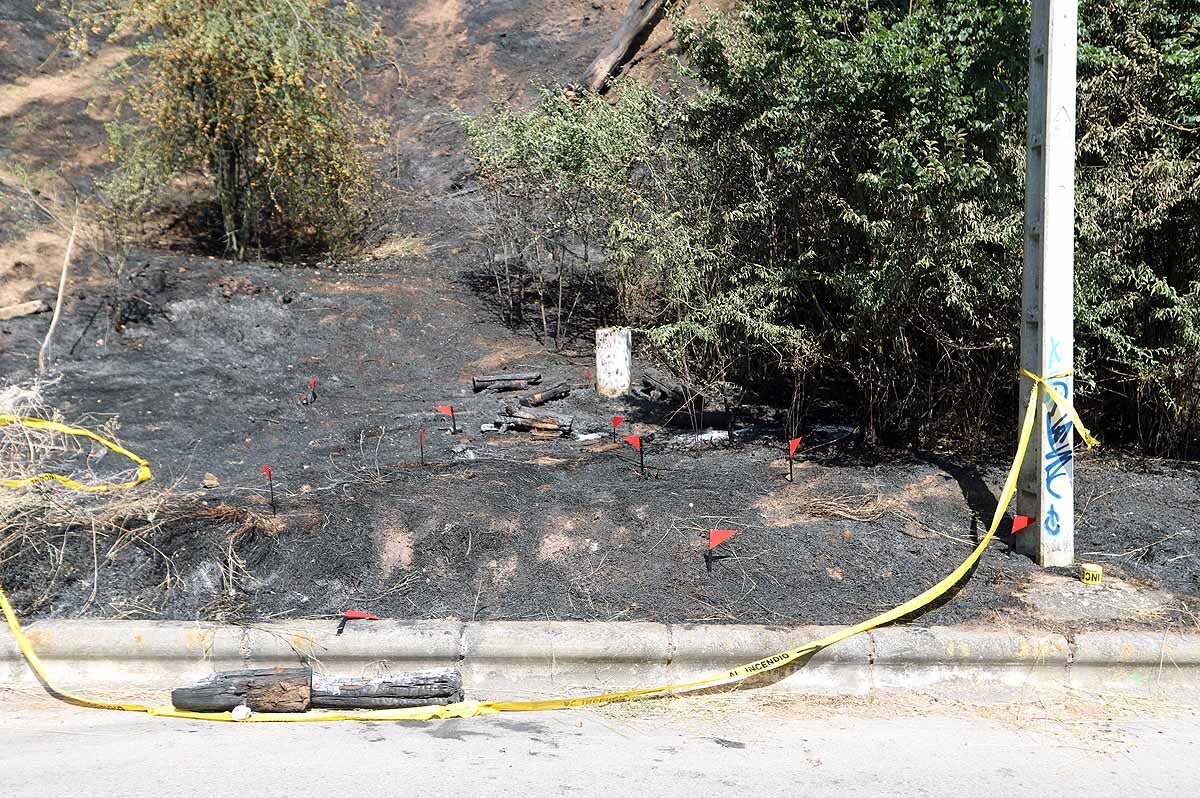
(248, 94)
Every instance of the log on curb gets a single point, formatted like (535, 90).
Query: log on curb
(483, 381)
(388, 690)
(261, 689)
(560, 391)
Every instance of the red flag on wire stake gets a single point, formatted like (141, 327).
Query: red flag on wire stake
(270, 484)
(355, 615)
(715, 538)
(448, 410)
(311, 397)
(617, 420)
(1019, 522)
(718, 536)
(636, 442)
(793, 445)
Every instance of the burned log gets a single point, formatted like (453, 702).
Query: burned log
(560, 391)
(514, 418)
(261, 689)
(640, 18)
(483, 381)
(389, 690)
(503, 386)
(660, 390)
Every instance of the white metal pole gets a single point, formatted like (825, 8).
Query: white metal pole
(1046, 485)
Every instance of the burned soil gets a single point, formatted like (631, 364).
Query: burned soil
(207, 379)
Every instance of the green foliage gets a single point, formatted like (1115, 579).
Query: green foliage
(553, 177)
(839, 203)
(248, 94)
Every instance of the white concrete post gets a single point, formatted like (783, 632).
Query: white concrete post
(614, 361)
(1046, 484)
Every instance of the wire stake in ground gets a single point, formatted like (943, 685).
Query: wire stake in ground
(421, 439)
(271, 485)
(448, 410)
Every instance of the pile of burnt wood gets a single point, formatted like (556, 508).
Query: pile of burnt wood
(513, 416)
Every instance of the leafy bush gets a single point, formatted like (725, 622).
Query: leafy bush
(839, 203)
(553, 178)
(248, 94)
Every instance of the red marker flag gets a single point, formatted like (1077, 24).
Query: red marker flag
(355, 615)
(445, 410)
(793, 445)
(359, 615)
(1020, 522)
(633, 440)
(617, 421)
(270, 484)
(718, 536)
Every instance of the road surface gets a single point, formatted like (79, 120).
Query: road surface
(703, 746)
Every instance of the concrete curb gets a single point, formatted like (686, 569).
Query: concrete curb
(524, 659)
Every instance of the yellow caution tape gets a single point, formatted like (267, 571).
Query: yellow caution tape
(468, 709)
(1091, 574)
(143, 472)
(1061, 401)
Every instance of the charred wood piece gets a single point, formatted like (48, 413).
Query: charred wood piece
(484, 381)
(261, 689)
(560, 391)
(513, 418)
(388, 690)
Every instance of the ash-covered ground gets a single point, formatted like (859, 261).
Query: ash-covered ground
(205, 379)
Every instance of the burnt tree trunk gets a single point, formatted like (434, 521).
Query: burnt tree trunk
(261, 689)
(640, 18)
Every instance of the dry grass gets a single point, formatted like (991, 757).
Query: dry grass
(43, 520)
(794, 505)
(406, 246)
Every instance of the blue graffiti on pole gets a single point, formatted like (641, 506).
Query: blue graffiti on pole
(1059, 453)
(1054, 357)
(1052, 524)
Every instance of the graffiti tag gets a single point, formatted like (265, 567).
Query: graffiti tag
(1059, 453)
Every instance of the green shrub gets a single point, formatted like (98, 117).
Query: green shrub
(553, 178)
(248, 94)
(837, 206)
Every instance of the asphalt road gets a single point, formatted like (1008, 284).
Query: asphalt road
(706, 746)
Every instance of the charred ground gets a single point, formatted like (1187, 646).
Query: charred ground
(205, 380)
